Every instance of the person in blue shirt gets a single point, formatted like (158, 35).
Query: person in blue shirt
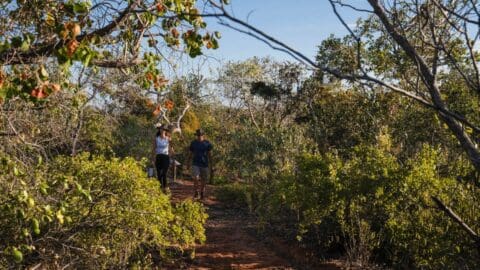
(200, 154)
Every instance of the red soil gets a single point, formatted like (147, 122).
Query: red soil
(230, 242)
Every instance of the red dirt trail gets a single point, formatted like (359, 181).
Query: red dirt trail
(230, 242)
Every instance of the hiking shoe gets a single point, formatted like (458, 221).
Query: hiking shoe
(195, 195)
(201, 196)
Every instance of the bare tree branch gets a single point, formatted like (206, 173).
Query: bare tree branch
(458, 220)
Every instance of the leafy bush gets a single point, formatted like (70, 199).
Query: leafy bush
(373, 208)
(89, 212)
(236, 195)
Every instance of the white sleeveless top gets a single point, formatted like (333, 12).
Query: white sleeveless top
(162, 146)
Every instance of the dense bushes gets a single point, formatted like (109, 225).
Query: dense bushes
(374, 208)
(349, 171)
(235, 195)
(89, 212)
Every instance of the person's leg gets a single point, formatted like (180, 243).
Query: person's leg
(165, 165)
(203, 182)
(161, 171)
(195, 176)
(158, 167)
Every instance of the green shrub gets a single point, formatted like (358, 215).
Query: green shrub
(235, 195)
(89, 212)
(374, 208)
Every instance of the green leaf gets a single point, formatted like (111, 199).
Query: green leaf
(31, 202)
(87, 59)
(17, 255)
(59, 216)
(44, 188)
(16, 42)
(215, 44)
(81, 7)
(36, 226)
(43, 72)
(25, 45)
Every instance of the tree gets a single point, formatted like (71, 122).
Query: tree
(36, 35)
(438, 46)
(261, 88)
(414, 48)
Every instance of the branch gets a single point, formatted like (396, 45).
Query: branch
(458, 15)
(458, 220)
(180, 117)
(116, 63)
(257, 33)
(357, 39)
(13, 56)
(352, 7)
(430, 82)
(8, 134)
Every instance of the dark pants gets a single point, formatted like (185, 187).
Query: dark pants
(162, 162)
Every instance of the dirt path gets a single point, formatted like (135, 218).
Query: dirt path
(230, 243)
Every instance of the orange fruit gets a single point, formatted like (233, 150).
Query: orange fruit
(160, 82)
(149, 103)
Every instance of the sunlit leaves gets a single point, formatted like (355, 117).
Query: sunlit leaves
(75, 32)
(338, 54)
(103, 196)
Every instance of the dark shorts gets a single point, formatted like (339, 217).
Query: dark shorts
(201, 172)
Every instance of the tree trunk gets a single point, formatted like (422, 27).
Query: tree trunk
(430, 82)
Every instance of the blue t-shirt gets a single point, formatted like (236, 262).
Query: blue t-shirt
(200, 151)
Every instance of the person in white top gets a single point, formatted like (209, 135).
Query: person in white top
(162, 151)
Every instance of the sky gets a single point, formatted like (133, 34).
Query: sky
(302, 24)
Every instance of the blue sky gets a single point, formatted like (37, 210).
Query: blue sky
(302, 24)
